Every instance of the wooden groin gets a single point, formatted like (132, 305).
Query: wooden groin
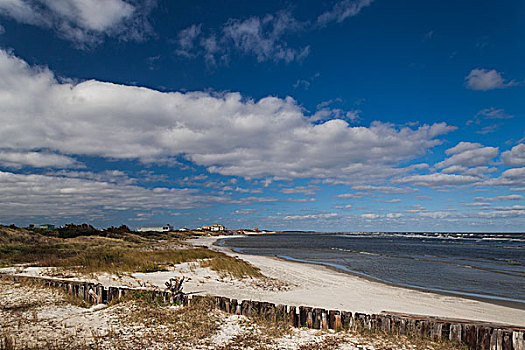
(476, 335)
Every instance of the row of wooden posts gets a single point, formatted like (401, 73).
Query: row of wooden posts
(476, 335)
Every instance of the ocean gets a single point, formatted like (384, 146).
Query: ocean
(481, 266)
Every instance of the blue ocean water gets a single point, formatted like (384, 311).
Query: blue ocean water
(490, 266)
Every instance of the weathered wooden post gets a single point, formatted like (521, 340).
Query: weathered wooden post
(455, 333)
(324, 320)
(518, 340)
(346, 318)
(310, 318)
(435, 331)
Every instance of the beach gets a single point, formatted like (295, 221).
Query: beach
(319, 286)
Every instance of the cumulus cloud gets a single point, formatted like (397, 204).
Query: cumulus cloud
(348, 195)
(435, 214)
(504, 212)
(515, 156)
(369, 216)
(484, 79)
(85, 22)
(468, 154)
(512, 197)
(510, 177)
(268, 137)
(394, 215)
(311, 216)
(62, 196)
(306, 190)
(394, 200)
(16, 160)
(385, 189)
(438, 180)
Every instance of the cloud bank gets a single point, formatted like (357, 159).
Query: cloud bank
(224, 132)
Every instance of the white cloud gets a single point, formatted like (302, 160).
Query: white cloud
(468, 154)
(394, 215)
(62, 196)
(17, 160)
(477, 204)
(269, 137)
(511, 197)
(435, 214)
(504, 212)
(462, 147)
(85, 22)
(342, 10)
(438, 180)
(369, 216)
(510, 177)
(186, 40)
(515, 156)
(385, 189)
(395, 200)
(311, 216)
(262, 37)
(244, 211)
(493, 113)
(479, 171)
(484, 79)
(306, 190)
(348, 195)
(301, 200)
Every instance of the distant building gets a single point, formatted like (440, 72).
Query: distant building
(166, 228)
(214, 228)
(46, 226)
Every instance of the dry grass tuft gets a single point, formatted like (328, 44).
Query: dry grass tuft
(229, 266)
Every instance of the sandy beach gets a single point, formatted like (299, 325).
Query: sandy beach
(293, 283)
(319, 286)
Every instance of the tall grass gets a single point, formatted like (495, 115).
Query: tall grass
(114, 260)
(233, 267)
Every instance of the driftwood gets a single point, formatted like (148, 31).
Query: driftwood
(174, 286)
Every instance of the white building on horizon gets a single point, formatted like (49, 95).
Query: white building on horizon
(166, 228)
(214, 227)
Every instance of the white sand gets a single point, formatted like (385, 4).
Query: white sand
(319, 286)
(309, 285)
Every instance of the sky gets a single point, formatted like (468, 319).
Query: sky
(333, 115)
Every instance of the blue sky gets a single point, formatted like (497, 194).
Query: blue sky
(345, 115)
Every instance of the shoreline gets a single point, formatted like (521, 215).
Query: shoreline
(511, 303)
(347, 291)
(486, 299)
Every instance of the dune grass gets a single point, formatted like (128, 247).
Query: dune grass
(229, 266)
(120, 253)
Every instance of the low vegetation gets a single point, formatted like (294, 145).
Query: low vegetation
(82, 248)
(229, 266)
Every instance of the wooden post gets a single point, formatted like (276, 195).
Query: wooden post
(310, 319)
(518, 340)
(324, 320)
(435, 331)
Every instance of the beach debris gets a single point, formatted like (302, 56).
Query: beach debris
(174, 286)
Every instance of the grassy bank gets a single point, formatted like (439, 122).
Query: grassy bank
(116, 253)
